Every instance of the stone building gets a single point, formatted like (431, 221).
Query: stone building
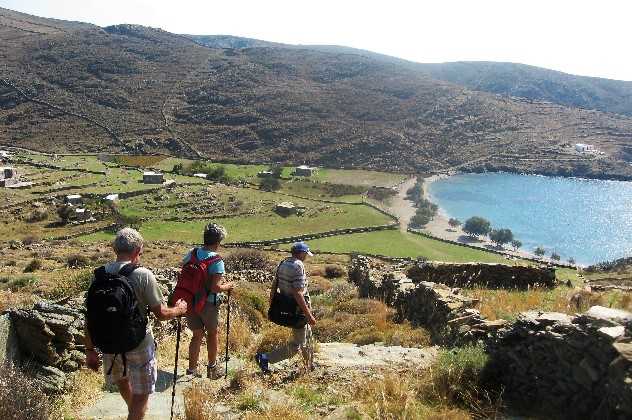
(8, 176)
(73, 199)
(150, 177)
(304, 170)
(285, 208)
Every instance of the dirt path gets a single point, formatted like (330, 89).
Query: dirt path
(332, 358)
(401, 207)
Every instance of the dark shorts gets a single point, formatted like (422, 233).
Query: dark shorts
(208, 318)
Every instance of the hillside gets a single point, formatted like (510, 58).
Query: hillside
(76, 87)
(538, 84)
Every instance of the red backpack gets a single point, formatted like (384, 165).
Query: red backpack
(190, 286)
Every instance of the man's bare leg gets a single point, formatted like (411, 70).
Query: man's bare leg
(194, 349)
(212, 340)
(125, 390)
(138, 407)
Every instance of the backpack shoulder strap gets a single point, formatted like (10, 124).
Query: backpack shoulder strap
(128, 269)
(100, 273)
(193, 259)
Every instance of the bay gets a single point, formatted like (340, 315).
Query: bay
(588, 220)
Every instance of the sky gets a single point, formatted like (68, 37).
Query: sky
(589, 38)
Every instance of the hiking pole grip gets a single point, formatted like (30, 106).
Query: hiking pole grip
(227, 332)
(175, 368)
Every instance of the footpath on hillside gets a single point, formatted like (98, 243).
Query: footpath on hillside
(337, 360)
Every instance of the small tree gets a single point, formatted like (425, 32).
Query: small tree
(178, 168)
(454, 223)
(65, 213)
(571, 261)
(555, 256)
(476, 226)
(516, 244)
(539, 251)
(270, 184)
(501, 236)
(277, 171)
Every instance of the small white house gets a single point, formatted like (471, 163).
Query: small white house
(81, 215)
(4, 155)
(584, 148)
(73, 199)
(204, 176)
(150, 177)
(285, 208)
(304, 170)
(264, 174)
(112, 197)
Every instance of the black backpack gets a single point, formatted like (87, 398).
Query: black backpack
(114, 320)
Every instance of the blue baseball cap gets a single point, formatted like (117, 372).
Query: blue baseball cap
(301, 247)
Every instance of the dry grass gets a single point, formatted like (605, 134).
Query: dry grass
(273, 336)
(21, 399)
(279, 411)
(199, 399)
(10, 299)
(85, 388)
(507, 304)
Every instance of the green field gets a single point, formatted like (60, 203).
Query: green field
(399, 244)
(358, 177)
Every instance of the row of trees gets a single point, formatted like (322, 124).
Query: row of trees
(478, 226)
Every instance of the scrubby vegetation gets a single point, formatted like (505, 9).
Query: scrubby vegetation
(21, 399)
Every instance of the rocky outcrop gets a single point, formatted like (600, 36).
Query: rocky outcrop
(449, 317)
(569, 367)
(50, 339)
(9, 351)
(492, 276)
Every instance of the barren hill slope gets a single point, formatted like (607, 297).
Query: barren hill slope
(77, 87)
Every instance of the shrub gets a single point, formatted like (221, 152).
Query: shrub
(247, 259)
(334, 271)
(71, 285)
(37, 215)
(21, 398)
(501, 236)
(29, 240)
(454, 222)
(272, 337)
(10, 263)
(270, 184)
(539, 251)
(32, 266)
(555, 256)
(77, 261)
(476, 226)
(17, 282)
(64, 213)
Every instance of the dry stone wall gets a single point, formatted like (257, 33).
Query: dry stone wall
(568, 367)
(492, 276)
(50, 340)
(551, 364)
(449, 317)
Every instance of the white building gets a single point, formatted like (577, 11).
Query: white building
(150, 177)
(73, 199)
(4, 155)
(584, 148)
(304, 170)
(112, 197)
(200, 175)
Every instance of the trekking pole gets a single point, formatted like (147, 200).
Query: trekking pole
(227, 331)
(175, 369)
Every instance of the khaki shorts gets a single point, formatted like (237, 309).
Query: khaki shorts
(208, 318)
(142, 370)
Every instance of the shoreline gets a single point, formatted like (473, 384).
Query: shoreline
(439, 227)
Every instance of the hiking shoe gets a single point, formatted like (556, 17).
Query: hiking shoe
(193, 373)
(262, 362)
(214, 372)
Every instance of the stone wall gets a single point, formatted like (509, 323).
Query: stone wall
(50, 340)
(449, 317)
(491, 276)
(567, 367)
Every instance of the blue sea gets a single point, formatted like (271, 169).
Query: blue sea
(588, 220)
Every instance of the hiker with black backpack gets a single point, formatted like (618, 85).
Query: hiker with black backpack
(202, 285)
(290, 307)
(118, 302)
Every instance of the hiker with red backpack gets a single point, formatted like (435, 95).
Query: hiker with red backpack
(118, 302)
(201, 284)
